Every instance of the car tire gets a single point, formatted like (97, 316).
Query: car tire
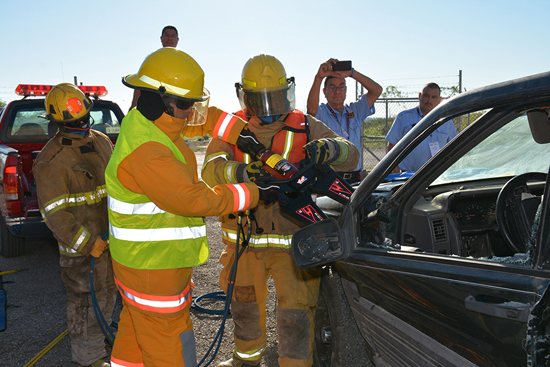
(10, 245)
(338, 341)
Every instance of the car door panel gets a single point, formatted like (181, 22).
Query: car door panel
(448, 303)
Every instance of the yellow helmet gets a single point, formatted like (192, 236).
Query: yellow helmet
(176, 76)
(65, 103)
(264, 89)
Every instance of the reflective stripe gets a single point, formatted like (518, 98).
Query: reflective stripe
(120, 363)
(250, 355)
(230, 172)
(157, 234)
(214, 156)
(343, 150)
(241, 194)
(129, 208)
(74, 200)
(73, 249)
(267, 240)
(169, 88)
(80, 238)
(188, 348)
(288, 144)
(224, 125)
(159, 304)
(67, 251)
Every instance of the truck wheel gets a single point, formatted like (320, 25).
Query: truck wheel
(10, 245)
(338, 341)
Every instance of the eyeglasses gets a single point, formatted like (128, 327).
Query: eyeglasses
(333, 89)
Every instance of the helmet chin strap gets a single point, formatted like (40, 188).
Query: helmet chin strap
(82, 129)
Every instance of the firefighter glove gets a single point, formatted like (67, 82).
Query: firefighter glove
(98, 247)
(255, 172)
(318, 150)
(249, 143)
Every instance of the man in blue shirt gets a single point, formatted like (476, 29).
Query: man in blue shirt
(406, 120)
(345, 120)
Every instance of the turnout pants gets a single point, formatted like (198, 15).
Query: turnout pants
(155, 328)
(297, 294)
(87, 339)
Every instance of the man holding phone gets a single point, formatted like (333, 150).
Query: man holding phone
(344, 119)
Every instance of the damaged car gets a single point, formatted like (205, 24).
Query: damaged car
(452, 266)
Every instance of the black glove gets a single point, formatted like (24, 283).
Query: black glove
(323, 152)
(249, 143)
(255, 172)
(268, 192)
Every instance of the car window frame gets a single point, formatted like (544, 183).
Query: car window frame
(404, 198)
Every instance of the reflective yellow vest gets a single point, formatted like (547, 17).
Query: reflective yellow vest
(142, 235)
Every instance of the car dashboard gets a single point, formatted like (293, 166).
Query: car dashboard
(460, 221)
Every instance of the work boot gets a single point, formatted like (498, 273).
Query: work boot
(100, 363)
(236, 363)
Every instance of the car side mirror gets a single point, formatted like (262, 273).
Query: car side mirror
(317, 244)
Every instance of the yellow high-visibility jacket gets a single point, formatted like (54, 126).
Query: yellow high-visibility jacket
(156, 201)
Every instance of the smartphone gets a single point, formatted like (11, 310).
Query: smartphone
(341, 66)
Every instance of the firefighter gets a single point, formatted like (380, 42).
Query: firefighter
(157, 206)
(70, 180)
(266, 96)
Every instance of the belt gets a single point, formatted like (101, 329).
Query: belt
(354, 176)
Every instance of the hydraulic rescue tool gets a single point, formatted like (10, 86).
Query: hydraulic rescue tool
(293, 186)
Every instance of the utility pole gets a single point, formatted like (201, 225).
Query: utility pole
(359, 90)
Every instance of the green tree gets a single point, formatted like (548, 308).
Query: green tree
(448, 92)
(2, 104)
(392, 92)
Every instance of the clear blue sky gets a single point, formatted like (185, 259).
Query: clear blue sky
(401, 43)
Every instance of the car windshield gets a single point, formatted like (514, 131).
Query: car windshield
(509, 151)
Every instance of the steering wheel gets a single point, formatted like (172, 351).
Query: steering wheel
(512, 219)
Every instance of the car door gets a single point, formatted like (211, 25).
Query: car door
(420, 309)
(418, 300)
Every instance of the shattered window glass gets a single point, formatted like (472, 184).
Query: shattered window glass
(461, 220)
(510, 151)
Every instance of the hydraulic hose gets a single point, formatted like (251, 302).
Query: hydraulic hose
(213, 295)
(231, 283)
(105, 328)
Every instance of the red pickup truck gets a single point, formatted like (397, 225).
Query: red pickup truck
(23, 133)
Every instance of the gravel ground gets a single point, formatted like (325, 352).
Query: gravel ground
(36, 307)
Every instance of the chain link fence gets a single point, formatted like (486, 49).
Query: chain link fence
(376, 126)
